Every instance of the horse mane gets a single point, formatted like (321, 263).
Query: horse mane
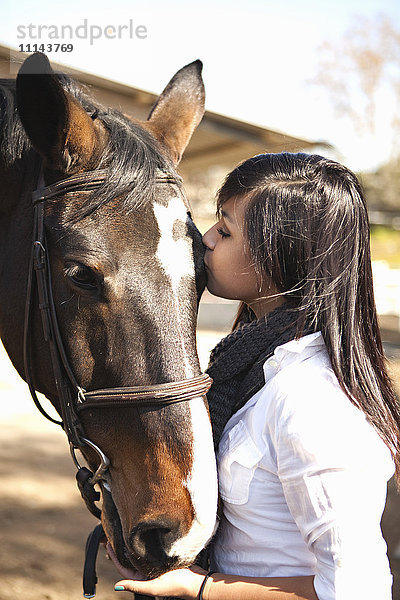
(132, 156)
(13, 139)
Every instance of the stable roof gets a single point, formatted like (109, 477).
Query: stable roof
(219, 140)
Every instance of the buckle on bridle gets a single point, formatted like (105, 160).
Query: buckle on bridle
(81, 395)
(39, 252)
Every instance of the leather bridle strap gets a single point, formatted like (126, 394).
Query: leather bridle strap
(86, 182)
(67, 387)
(33, 266)
(145, 396)
(89, 571)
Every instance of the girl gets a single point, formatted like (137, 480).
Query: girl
(304, 415)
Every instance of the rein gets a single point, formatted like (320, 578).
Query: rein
(72, 397)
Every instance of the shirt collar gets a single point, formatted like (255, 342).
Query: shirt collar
(297, 346)
(292, 352)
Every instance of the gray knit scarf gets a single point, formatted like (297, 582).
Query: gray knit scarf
(236, 363)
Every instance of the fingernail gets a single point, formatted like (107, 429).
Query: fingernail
(119, 588)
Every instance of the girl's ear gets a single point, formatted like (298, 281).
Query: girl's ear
(58, 127)
(178, 110)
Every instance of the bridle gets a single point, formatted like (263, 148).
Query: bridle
(73, 399)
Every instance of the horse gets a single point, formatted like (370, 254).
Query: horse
(101, 269)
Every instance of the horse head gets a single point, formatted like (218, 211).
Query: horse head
(126, 268)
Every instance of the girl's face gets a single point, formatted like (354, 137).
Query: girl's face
(229, 266)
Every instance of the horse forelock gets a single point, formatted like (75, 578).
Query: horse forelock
(131, 156)
(133, 160)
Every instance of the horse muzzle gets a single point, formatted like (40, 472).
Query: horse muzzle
(150, 544)
(146, 547)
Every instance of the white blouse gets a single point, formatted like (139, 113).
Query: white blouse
(303, 477)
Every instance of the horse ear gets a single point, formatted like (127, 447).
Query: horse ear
(178, 110)
(58, 127)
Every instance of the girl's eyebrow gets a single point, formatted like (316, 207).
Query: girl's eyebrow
(226, 216)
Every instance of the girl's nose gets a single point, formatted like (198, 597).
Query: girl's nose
(209, 238)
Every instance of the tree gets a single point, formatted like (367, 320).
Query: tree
(382, 189)
(361, 69)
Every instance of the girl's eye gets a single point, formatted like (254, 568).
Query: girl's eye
(82, 276)
(222, 233)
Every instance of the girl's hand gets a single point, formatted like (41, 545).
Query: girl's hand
(180, 583)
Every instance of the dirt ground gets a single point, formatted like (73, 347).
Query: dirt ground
(43, 522)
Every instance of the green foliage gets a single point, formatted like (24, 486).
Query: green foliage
(385, 245)
(382, 188)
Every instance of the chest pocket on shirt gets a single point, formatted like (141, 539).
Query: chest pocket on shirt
(238, 457)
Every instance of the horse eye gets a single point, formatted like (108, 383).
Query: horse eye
(82, 276)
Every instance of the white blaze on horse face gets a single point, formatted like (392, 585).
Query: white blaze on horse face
(202, 487)
(175, 256)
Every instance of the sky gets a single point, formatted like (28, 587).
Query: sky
(259, 56)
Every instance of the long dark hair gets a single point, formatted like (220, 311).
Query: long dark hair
(307, 227)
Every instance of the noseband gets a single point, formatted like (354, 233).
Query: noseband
(73, 399)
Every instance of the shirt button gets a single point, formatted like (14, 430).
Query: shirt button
(273, 362)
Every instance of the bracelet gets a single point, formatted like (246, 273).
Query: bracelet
(203, 585)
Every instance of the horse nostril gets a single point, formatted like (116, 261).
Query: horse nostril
(151, 541)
